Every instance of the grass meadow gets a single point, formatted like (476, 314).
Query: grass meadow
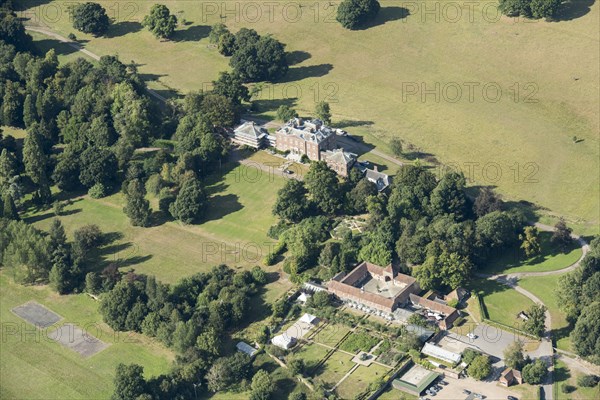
(545, 288)
(34, 367)
(499, 98)
(502, 303)
(551, 259)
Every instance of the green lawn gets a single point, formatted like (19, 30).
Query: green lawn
(545, 287)
(35, 367)
(550, 259)
(359, 380)
(562, 375)
(526, 137)
(334, 369)
(393, 394)
(234, 231)
(311, 354)
(503, 304)
(331, 334)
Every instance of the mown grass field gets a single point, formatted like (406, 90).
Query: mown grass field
(502, 303)
(34, 367)
(562, 375)
(551, 259)
(528, 100)
(545, 287)
(233, 232)
(359, 380)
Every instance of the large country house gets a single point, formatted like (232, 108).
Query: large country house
(309, 138)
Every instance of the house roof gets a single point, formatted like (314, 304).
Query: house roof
(458, 294)
(339, 156)
(283, 341)
(509, 374)
(251, 129)
(440, 353)
(310, 130)
(380, 179)
(303, 297)
(309, 318)
(246, 348)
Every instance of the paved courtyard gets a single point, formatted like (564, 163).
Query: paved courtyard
(72, 337)
(455, 387)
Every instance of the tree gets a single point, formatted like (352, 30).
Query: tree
(323, 112)
(486, 202)
(90, 18)
(536, 324)
(513, 355)
(227, 371)
(286, 113)
(354, 14)
(480, 367)
(588, 380)
(562, 235)
(160, 21)
(256, 58)
(357, 197)
(262, 386)
(291, 203)
(544, 8)
(98, 165)
(190, 202)
(25, 252)
(12, 104)
(8, 167)
(530, 242)
(323, 187)
(137, 208)
(396, 146)
(117, 304)
(218, 110)
(514, 8)
(296, 365)
(231, 86)
(586, 335)
(447, 269)
(216, 31)
(535, 372)
(129, 382)
(9, 210)
(93, 283)
(226, 44)
(449, 196)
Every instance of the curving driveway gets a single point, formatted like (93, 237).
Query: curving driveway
(545, 351)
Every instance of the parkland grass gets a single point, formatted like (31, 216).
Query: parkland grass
(545, 288)
(517, 128)
(233, 232)
(359, 380)
(502, 303)
(551, 258)
(35, 367)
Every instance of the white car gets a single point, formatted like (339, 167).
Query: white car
(471, 336)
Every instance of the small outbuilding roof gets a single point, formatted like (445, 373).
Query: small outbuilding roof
(283, 341)
(246, 348)
(309, 319)
(440, 353)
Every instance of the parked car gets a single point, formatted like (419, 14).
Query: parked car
(465, 391)
(511, 398)
(287, 171)
(472, 335)
(443, 383)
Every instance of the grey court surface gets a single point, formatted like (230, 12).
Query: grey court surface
(74, 338)
(36, 314)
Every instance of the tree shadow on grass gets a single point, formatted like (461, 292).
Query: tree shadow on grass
(573, 9)
(61, 48)
(347, 123)
(221, 206)
(123, 28)
(191, 34)
(41, 217)
(297, 56)
(151, 77)
(561, 373)
(387, 14)
(265, 105)
(309, 71)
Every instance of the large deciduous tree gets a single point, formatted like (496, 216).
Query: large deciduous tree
(90, 18)
(160, 21)
(354, 14)
(190, 202)
(324, 188)
(292, 204)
